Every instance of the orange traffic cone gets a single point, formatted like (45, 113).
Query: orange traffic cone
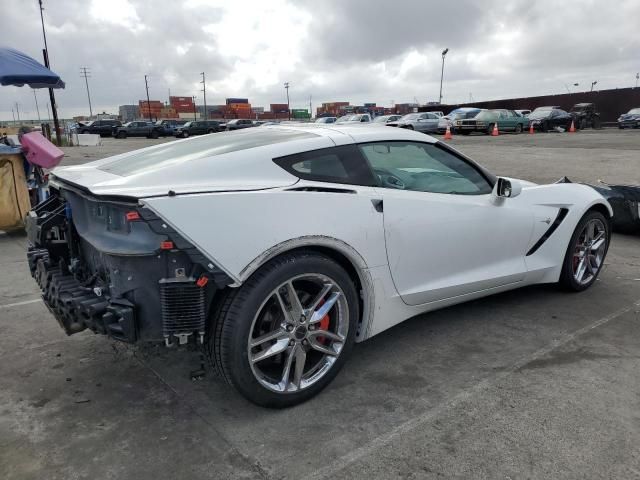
(447, 134)
(531, 131)
(494, 132)
(572, 128)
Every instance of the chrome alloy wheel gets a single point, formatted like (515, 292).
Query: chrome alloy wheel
(298, 333)
(589, 251)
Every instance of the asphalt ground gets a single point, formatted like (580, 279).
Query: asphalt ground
(533, 383)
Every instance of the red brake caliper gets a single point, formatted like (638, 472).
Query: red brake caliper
(324, 324)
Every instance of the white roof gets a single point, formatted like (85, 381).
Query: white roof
(238, 160)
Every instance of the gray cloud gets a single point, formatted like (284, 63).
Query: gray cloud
(355, 50)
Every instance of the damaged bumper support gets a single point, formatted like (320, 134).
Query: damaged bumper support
(117, 269)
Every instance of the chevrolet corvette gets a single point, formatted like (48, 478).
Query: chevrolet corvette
(276, 249)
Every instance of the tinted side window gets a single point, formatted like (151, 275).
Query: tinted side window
(342, 164)
(423, 167)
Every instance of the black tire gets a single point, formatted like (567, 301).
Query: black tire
(121, 135)
(185, 134)
(154, 134)
(582, 124)
(84, 132)
(518, 128)
(409, 127)
(489, 129)
(210, 131)
(544, 126)
(232, 323)
(567, 280)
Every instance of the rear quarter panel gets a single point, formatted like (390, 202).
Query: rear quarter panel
(238, 231)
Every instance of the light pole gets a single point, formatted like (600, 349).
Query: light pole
(592, 84)
(444, 54)
(204, 95)
(286, 86)
(84, 72)
(637, 77)
(146, 84)
(37, 108)
(194, 107)
(52, 98)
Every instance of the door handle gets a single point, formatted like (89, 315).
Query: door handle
(377, 204)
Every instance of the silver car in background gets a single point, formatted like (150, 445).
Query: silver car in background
(387, 118)
(420, 122)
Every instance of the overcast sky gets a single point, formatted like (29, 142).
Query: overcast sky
(341, 50)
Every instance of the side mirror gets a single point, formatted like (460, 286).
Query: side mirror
(505, 188)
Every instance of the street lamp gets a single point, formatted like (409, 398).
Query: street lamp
(592, 84)
(286, 86)
(444, 54)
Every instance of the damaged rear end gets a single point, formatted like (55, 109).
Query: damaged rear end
(114, 267)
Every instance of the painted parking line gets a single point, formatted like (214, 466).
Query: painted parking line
(17, 304)
(333, 470)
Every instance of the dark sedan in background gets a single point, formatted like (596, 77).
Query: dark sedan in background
(548, 118)
(238, 124)
(167, 128)
(100, 127)
(199, 127)
(631, 119)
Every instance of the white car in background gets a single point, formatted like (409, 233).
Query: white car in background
(326, 120)
(387, 118)
(449, 120)
(356, 118)
(276, 248)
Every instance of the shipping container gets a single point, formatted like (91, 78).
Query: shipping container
(237, 100)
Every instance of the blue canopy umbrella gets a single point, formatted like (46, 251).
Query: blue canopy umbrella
(18, 69)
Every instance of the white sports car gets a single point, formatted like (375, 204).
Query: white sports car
(277, 248)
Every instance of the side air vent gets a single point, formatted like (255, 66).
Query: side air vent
(183, 309)
(556, 223)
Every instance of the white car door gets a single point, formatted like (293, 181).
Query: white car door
(444, 236)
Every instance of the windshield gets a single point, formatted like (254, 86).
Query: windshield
(127, 124)
(537, 114)
(347, 118)
(463, 113)
(382, 119)
(188, 124)
(543, 109)
(411, 116)
(635, 111)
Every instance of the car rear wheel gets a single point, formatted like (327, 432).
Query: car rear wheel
(586, 252)
(544, 126)
(284, 334)
(154, 134)
(121, 135)
(84, 131)
(518, 128)
(489, 129)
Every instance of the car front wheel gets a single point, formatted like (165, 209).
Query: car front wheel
(284, 334)
(586, 252)
(121, 135)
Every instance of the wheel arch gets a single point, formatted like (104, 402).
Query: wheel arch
(339, 251)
